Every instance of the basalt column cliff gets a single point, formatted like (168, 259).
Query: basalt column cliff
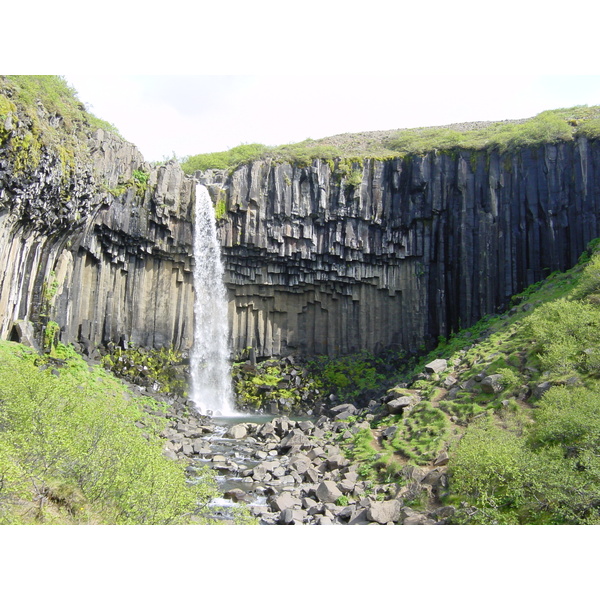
(326, 258)
(415, 248)
(96, 241)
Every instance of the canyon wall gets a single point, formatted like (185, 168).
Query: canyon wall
(328, 258)
(414, 249)
(87, 245)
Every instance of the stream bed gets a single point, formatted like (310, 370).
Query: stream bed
(232, 459)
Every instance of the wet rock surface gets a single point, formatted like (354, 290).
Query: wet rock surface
(290, 472)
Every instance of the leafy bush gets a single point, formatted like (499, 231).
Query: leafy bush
(70, 441)
(589, 280)
(566, 335)
(351, 378)
(569, 418)
(548, 474)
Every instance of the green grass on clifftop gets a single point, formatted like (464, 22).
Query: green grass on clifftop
(548, 127)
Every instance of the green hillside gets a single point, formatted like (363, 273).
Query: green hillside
(76, 447)
(517, 409)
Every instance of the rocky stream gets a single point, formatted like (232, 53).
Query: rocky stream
(292, 471)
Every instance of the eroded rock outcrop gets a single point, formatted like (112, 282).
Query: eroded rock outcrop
(100, 243)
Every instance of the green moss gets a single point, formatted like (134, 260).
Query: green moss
(421, 435)
(51, 331)
(157, 368)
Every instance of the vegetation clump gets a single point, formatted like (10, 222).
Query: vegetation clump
(515, 415)
(533, 460)
(159, 369)
(76, 447)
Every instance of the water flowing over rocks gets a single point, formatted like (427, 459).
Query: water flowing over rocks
(289, 471)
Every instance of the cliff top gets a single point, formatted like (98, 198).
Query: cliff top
(547, 127)
(47, 112)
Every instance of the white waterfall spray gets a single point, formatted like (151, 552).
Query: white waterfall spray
(211, 376)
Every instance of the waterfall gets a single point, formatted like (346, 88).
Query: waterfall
(211, 376)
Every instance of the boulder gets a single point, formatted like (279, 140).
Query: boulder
(343, 416)
(294, 439)
(278, 472)
(300, 464)
(306, 426)
(398, 405)
(492, 384)
(359, 516)
(266, 429)
(237, 432)
(442, 459)
(344, 408)
(336, 461)
(346, 486)
(540, 389)
(389, 432)
(436, 366)
(283, 501)
(328, 491)
(236, 495)
(311, 475)
(292, 516)
(22, 332)
(417, 519)
(384, 512)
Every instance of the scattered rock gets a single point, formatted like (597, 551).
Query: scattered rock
(398, 405)
(436, 366)
(442, 459)
(237, 432)
(328, 491)
(492, 384)
(384, 512)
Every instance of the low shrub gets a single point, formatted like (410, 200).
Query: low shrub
(72, 437)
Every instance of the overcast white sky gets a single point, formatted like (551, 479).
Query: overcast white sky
(273, 72)
(186, 114)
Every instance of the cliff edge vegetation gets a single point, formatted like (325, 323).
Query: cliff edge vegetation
(548, 127)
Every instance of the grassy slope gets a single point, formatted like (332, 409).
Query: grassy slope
(77, 448)
(521, 454)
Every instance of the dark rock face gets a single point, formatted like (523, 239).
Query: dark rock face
(319, 259)
(107, 260)
(421, 247)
